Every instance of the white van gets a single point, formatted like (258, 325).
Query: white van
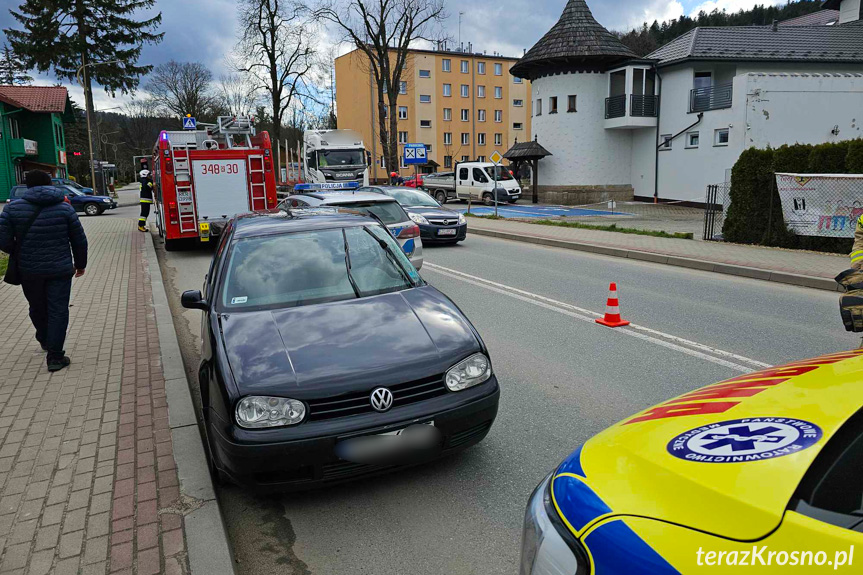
(474, 181)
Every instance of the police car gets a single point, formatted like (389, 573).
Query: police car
(385, 208)
(764, 470)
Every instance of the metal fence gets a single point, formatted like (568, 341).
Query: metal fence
(716, 205)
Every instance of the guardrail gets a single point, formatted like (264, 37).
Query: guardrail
(643, 106)
(615, 107)
(712, 98)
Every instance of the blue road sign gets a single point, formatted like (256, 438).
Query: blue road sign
(415, 154)
(189, 123)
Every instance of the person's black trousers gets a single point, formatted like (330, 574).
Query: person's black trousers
(145, 213)
(49, 311)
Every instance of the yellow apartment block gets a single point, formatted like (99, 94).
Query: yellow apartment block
(462, 106)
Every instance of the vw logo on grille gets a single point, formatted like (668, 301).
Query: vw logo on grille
(382, 399)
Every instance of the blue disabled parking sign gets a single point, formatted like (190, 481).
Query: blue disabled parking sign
(415, 154)
(189, 123)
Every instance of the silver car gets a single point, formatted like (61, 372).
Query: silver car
(387, 209)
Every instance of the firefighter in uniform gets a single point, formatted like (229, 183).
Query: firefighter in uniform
(851, 302)
(146, 200)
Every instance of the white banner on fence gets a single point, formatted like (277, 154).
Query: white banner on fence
(826, 205)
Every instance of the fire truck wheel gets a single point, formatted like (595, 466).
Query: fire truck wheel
(92, 209)
(172, 245)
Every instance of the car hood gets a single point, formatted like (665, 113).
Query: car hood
(353, 345)
(99, 198)
(433, 212)
(654, 464)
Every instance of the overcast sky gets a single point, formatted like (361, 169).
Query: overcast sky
(205, 30)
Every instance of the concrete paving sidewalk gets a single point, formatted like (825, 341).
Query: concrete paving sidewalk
(810, 269)
(89, 482)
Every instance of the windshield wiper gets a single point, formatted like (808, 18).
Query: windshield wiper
(392, 256)
(348, 265)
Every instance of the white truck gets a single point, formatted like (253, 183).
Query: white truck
(331, 156)
(474, 181)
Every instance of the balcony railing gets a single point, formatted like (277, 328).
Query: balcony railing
(712, 98)
(643, 106)
(615, 107)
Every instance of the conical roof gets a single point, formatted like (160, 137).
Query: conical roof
(576, 41)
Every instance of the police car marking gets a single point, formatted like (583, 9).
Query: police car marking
(743, 440)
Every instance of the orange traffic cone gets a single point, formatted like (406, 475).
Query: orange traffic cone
(612, 310)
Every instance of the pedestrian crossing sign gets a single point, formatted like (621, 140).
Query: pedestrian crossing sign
(189, 123)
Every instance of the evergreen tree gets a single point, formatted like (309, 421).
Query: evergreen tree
(12, 70)
(68, 36)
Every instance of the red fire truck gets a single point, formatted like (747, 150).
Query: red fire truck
(202, 178)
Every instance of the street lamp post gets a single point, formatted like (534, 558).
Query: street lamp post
(88, 96)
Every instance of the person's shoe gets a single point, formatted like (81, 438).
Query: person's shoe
(143, 229)
(43, 347)
(58, 363)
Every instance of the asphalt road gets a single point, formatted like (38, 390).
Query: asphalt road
(563, 379)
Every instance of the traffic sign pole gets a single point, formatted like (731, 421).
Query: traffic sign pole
(496, 158)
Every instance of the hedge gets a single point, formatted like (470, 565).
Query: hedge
(749, 219)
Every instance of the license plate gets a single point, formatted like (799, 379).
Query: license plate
(204, 231)
(399, 431)
(450, 232)
(184, 196)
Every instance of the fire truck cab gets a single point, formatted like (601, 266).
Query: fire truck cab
(203, 178)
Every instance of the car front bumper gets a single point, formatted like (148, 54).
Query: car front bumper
(285, 464)
(430, 234)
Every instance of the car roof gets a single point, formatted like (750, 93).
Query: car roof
(398, 188)
(333, 198)
(296, 220)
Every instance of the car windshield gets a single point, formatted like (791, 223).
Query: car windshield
(305, 268)
(411, 198)
(502, 173)
(388, 212)
(336, 158)
(75, 185)
(70, 191)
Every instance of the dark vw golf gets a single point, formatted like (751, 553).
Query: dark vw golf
(326, 356)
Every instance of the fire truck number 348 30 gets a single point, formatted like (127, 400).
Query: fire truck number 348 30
(215, 168)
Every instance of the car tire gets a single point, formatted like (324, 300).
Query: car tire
(488, 199)
(92, 209)
(440, 196)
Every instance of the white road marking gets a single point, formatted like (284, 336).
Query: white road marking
(692, 348)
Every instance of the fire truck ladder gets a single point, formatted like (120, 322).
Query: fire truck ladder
(257, 185)
(183, 185)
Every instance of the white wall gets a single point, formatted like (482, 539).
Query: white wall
(849, 11)
(584, 152)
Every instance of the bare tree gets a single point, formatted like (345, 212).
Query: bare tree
(182, 88)
(237, 96)
(383, 30)
(278, 50)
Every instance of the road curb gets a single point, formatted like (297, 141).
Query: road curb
(715, 267)
(206, 538)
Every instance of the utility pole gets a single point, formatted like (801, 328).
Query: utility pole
(88, 105)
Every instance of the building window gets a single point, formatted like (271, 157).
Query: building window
(425, 123)
(498, 69)
(14, 130)
(692, 139)
(518, 103)
(446, 64)
(498, 139)
(538, 108)
(447, 161)
(465, 115)
(425, 73)
(385, 112)
(447, 90)
(498, 116)
(498, 92)
(403, 137)
(428, 148)
(465, 91)
(552, 105)
(666, 141)
(480, 139)
(465, 67)
(480, 115)
(480, 91)
(447, 114)
(720, 137)
(517, 126)
(425, 98)
(447, 138)
(465, 139)
(403, 112)
(571, 101)
(517, 80)
(480, 158)
(403, 87)
(464, 158)
(480, 67)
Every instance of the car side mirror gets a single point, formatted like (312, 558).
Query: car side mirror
(193, 299)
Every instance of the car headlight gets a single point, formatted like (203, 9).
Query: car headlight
(544, 551)
(106, 200)
(418, 219)
(468, 373)
(462, 220)
(260, 412)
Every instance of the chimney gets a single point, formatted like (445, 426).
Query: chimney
(775, 25)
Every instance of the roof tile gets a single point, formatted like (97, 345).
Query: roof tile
(50, 99)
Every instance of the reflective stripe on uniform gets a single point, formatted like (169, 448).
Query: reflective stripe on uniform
(857, 256)
(143, 201)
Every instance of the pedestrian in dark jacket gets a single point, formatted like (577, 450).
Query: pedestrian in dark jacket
(45, 260)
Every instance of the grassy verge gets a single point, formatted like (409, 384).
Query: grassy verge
(609, 228)
(488, 217)
(4, 262)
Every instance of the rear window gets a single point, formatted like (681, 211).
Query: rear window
(388, 212)
(18, 192)
(305, 268)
